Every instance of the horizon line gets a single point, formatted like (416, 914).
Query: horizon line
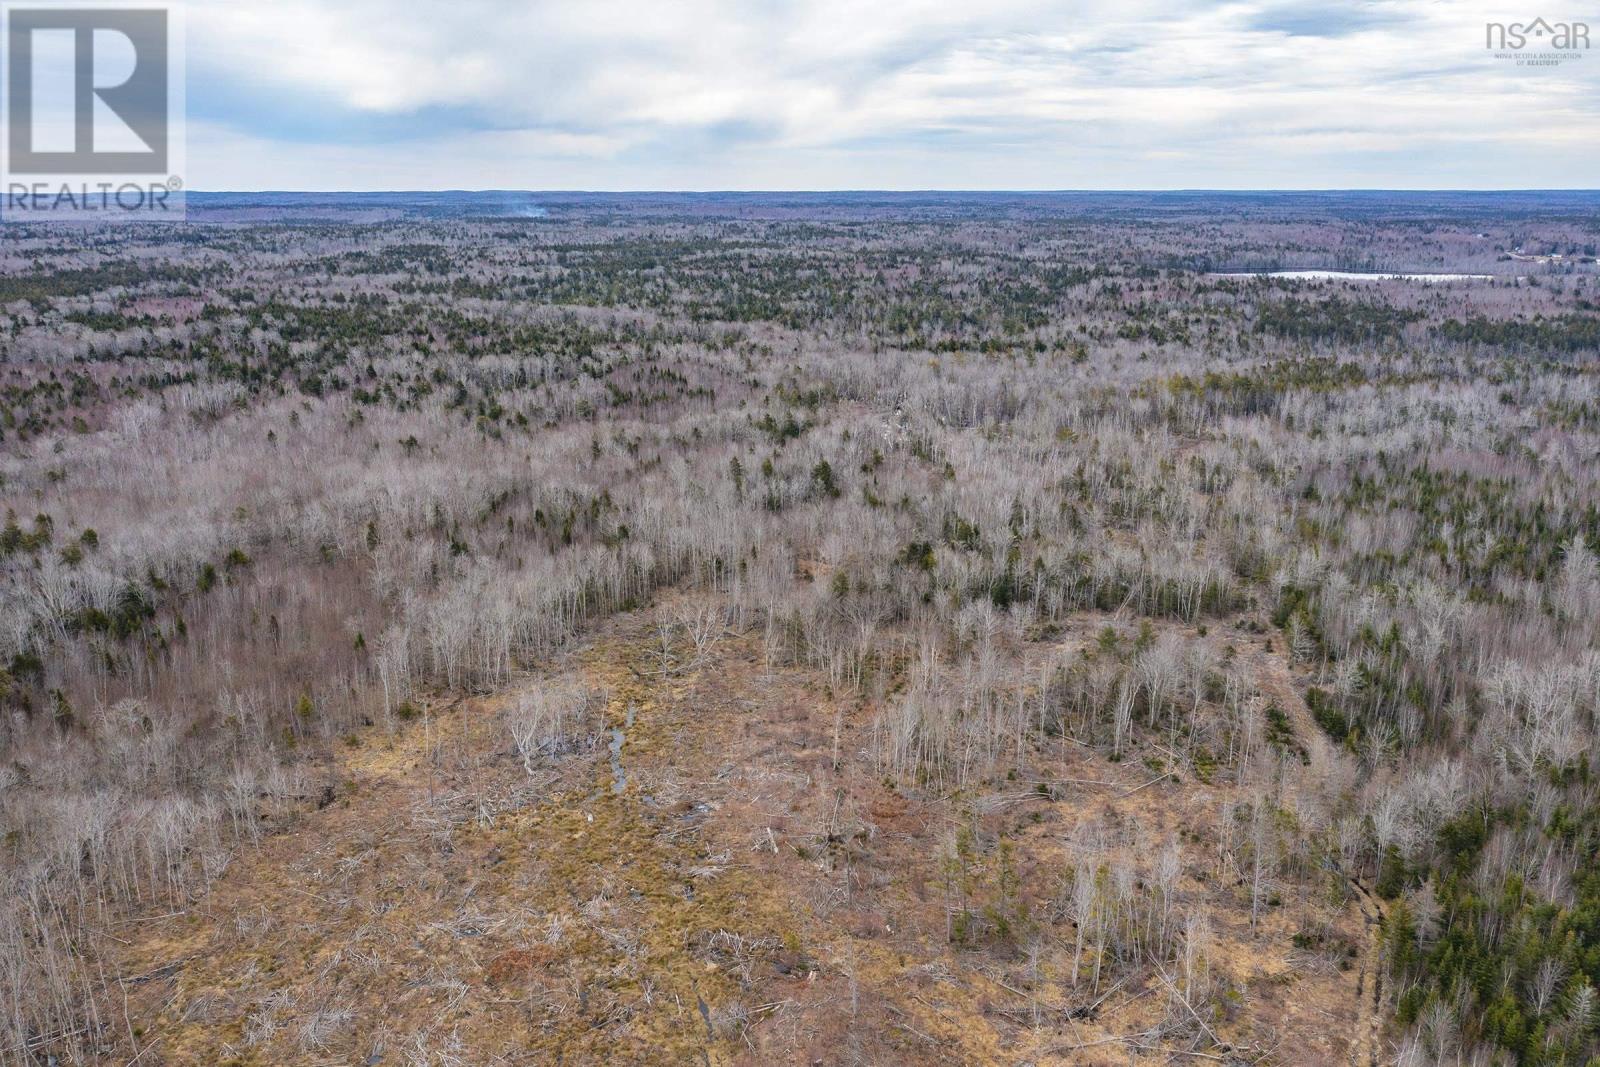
(1214, 190)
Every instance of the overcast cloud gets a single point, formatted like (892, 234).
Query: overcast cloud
(619, 94)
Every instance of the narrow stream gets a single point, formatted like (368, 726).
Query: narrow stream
(619, 777)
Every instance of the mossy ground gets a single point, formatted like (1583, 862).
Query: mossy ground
(747, 898)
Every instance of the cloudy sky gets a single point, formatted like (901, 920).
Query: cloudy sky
(879, 94)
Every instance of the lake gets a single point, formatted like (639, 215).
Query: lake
(1355, 275)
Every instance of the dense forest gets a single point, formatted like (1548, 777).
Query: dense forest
(1012, 482)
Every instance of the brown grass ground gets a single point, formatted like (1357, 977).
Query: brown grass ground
(745, 899)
